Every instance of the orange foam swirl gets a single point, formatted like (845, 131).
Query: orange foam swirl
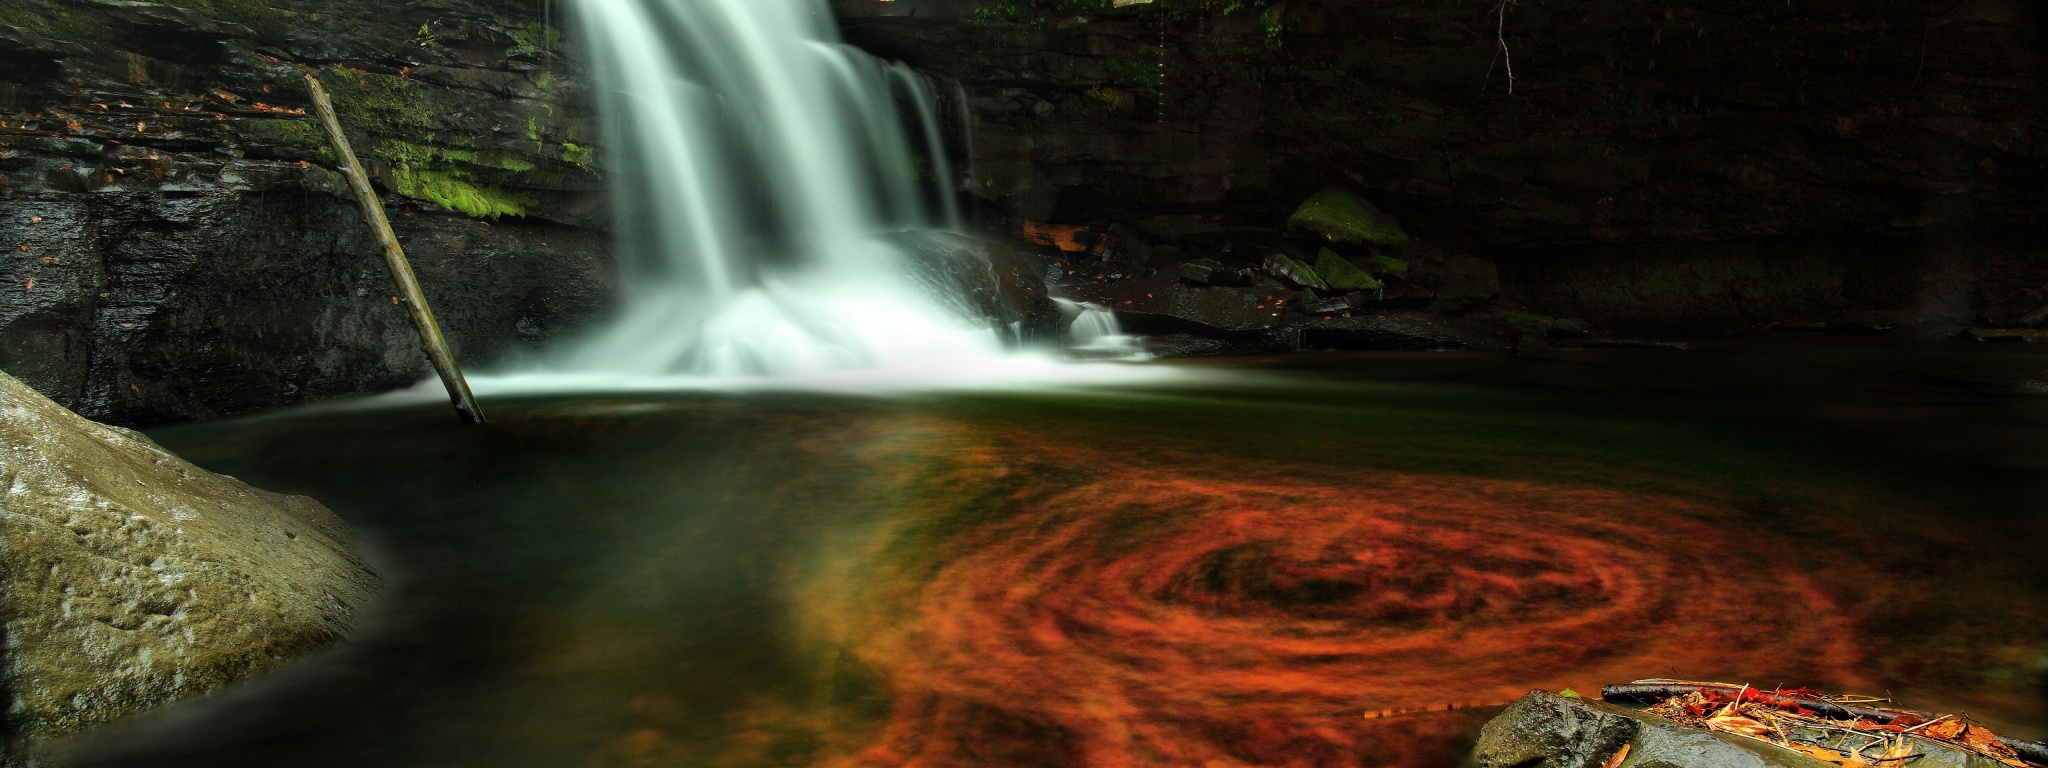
(1119, 613)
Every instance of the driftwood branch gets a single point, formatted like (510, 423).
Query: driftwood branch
(394, 257)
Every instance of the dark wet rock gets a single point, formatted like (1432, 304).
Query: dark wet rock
(1403, 331)
(1180, 229)
(1536, 348)
(1259, 306)
(986, 281)
(1931, 332)
(1287, 270)
(1212, 272)
(1542, 730)
(1463, 283)
(1317, 305)
(1758, 171)
(134, 579)
(234, 286)
(1594, 343)
(1124, 247)
(1545, 326)
(1192, 345)
(2007, 335)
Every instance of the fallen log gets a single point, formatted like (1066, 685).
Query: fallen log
(435, 344)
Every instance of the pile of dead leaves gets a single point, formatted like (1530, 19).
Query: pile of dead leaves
(1842, 730)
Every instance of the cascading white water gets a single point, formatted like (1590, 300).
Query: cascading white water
(751, 155)
(1093, 331)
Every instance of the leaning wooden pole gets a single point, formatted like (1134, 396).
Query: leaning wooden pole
(394, 257)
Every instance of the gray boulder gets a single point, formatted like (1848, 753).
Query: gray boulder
(133, 579)
(983, 281)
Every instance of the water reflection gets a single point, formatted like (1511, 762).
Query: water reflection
(1323, 572)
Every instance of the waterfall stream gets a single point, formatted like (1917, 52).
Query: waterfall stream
(752, 154)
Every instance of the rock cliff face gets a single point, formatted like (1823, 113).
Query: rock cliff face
(1687, 166)
(134, 579)
(177, 247)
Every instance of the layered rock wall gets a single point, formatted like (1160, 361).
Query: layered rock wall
(176, 245)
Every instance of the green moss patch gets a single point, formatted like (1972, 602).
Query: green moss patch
(1343, 275)
(1342, 217)
(580, 156)
(454, 189)
(452, 178)
(376, 103)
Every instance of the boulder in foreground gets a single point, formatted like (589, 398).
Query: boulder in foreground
(133, 579)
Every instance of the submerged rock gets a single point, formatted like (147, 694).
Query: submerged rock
(983, 281)
(1544, 730)
(134, 579)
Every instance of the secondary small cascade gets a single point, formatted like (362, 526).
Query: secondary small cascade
(751, 155)
(1094, 331)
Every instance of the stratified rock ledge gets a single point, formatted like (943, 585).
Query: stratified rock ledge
(133, 579)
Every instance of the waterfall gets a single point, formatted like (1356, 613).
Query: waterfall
(751, 155)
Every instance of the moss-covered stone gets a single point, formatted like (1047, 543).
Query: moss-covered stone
(1342, 217)
(1342, 275)
(455, 190)
(376, 103)
(1387, 265)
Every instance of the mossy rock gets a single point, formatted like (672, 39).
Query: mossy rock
(1387, 265)
(1345, 276)
(452, 189)
(1342, 217)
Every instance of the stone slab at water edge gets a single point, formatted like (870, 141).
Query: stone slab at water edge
(1544, 730)
(133, 578)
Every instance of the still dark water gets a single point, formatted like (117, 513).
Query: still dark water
(1329, 560)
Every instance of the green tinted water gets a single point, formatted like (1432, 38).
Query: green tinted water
(1236, 570)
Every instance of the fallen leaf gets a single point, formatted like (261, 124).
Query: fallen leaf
(1946, 729)
(1617, 759)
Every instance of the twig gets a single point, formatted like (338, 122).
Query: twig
(1928, 723)
(1500, 35)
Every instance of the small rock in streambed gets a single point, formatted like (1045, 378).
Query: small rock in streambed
(1213, 272)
